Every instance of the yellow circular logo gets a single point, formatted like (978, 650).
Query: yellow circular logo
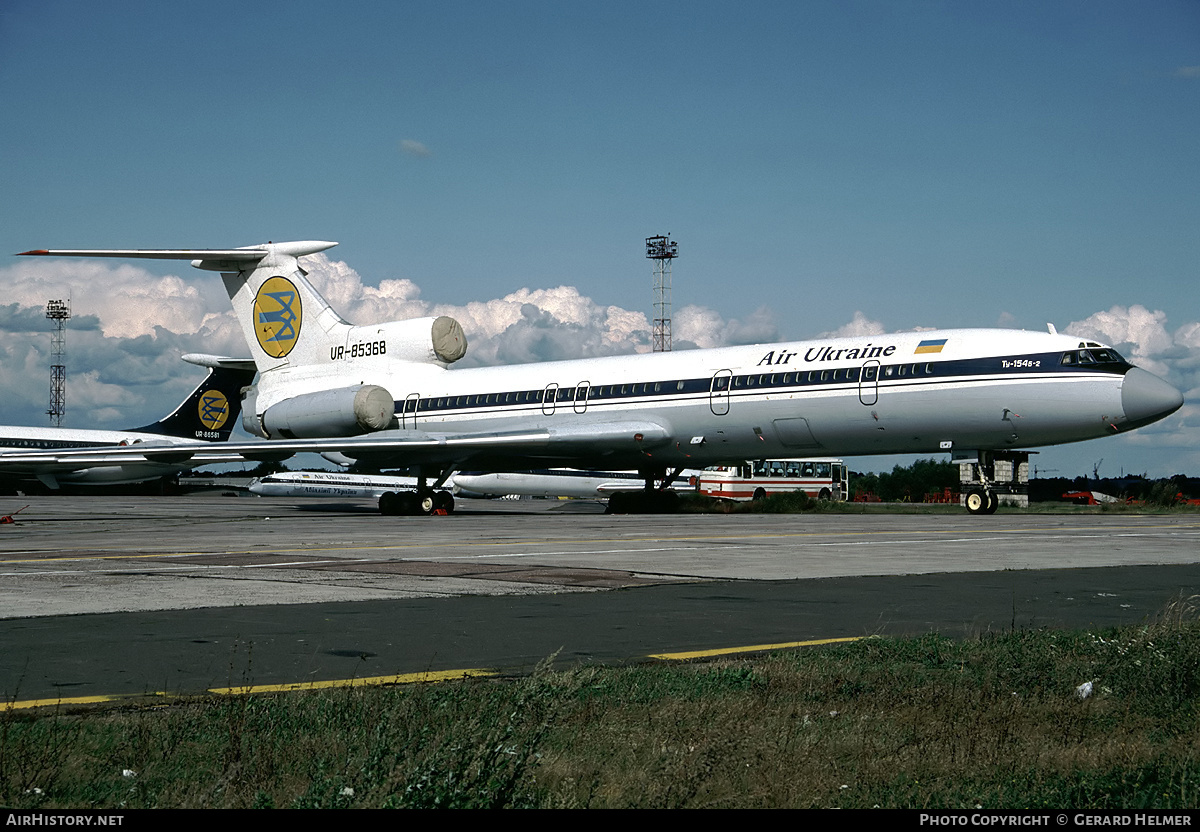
(277, 316)
(214, 409)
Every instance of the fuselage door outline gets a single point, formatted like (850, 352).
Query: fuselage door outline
(718, 392)
(868, 383)
(549, 398)
(408, 416)
(581, 396)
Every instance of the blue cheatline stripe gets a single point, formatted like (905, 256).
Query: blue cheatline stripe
(904, 374)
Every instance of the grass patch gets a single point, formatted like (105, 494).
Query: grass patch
(927, 722)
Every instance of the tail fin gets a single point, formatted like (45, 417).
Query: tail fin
(284, 318)
(210, 411)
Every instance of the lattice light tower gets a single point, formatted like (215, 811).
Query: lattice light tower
(58, 311)
(662, 250)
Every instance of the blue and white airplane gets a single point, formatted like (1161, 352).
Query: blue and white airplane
(329, 484)
(387, 394)
(53, 455)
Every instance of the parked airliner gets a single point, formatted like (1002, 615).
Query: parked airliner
(329, 484)
(51, 455)
(386, 393)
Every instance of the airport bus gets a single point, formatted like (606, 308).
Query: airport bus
(823, 479)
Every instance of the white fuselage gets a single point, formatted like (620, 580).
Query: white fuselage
(917, 392)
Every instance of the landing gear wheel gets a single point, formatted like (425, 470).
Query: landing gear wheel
(663, 502)
(993, 503)
(618, 504)
(389, 504)
(977, 501)
(424, 502)
(406, 503)
(443, 501)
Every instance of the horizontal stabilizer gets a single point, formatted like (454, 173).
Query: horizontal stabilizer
(214, 361)
(248, 254)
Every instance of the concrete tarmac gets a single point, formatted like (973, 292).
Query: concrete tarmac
(118, 596)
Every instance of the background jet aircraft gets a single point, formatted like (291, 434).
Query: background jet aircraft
(56, 456)
(385, 394)
(329, 484)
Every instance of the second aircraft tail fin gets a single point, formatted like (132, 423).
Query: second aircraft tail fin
(210, 411)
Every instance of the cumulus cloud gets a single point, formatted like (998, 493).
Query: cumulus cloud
(859, 326)
(127, 331)
(414, 148)
(700, 327)
(1135, 330)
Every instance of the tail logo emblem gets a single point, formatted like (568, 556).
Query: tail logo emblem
(277, 316)
(214, 409)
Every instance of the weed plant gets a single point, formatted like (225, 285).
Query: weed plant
(1000, 721)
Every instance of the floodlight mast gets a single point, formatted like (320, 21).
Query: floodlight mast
(58, 311)
(662, 250)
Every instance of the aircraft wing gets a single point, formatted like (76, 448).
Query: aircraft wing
(394, 448)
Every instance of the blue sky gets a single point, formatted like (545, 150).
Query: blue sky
(899, 164)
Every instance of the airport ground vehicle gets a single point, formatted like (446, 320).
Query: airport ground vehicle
(823, 479)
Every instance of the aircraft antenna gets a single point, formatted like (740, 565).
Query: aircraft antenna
(58, 311)
(662, 250)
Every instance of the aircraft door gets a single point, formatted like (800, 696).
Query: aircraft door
(868, 383)
(548, 397)
(408, 415)
(718, 392)
(581, 396)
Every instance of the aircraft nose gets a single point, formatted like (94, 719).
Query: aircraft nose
(1146, 398)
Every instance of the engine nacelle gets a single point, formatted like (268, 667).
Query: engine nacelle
(437, 340)
(349, 411)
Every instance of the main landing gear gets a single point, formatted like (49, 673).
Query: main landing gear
(650, 500)
(992, 477)
(981, 501)
(416, 503)
(422, 502)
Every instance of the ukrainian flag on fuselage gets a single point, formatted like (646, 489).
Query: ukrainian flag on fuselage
(932, 345)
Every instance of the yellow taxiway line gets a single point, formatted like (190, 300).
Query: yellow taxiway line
(752, 648)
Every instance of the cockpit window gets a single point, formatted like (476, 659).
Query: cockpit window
(1100, 355)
